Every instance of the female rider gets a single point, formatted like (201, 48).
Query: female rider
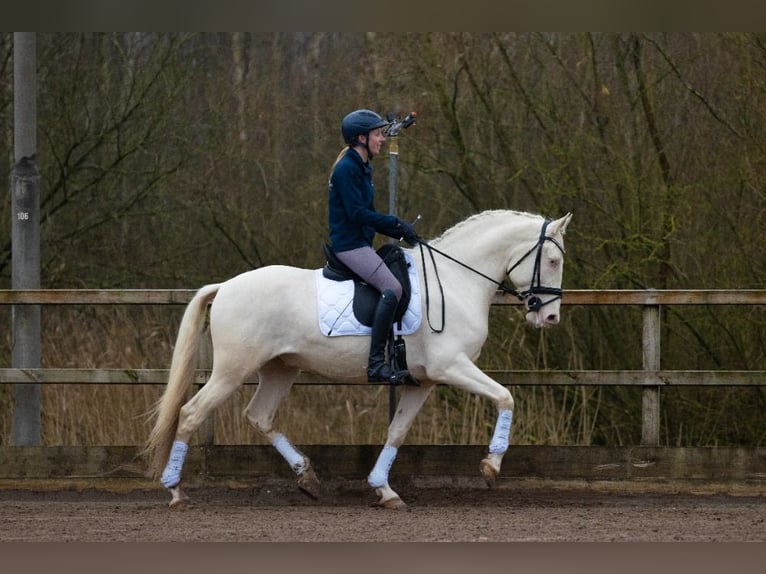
(353, 223)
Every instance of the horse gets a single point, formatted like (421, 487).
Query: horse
(259, 326)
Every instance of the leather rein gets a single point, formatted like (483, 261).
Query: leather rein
(530, 297)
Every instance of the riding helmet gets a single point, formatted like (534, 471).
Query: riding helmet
(360, 122)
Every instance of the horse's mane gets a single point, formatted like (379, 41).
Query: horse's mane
(484, 215)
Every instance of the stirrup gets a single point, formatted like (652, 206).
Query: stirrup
(407, 380)
(385, 374)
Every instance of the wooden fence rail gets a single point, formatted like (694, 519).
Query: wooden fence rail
(651, 377)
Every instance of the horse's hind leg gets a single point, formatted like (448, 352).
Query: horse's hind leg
(192, 415)
(276, 380)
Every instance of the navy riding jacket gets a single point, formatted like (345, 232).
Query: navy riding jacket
(352, 216)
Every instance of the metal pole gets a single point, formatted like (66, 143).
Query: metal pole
(394, 127)
(25, 238)
(393, 157)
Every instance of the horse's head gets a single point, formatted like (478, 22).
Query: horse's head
(537, 274)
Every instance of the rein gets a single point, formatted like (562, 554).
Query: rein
(529, 296)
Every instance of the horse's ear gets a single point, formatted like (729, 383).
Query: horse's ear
(559, 227)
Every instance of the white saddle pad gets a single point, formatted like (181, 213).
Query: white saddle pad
(336, 307)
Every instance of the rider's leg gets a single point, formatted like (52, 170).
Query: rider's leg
(371, 268)
(378, 369)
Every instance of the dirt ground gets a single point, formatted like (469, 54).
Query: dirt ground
(539, 511)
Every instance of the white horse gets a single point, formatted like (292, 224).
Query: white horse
(264, 322)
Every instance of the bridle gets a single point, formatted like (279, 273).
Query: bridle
(530, 297)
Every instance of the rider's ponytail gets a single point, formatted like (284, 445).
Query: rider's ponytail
(337, 159)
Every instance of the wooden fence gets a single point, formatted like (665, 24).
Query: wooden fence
(651, 377)
(25, 466)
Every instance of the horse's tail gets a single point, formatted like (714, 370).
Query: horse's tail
(157, 448)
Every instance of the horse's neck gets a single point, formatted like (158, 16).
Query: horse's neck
(486, 242)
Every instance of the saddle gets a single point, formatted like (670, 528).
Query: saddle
(366, 297)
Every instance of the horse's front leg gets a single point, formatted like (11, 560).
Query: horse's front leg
(410, 402)
(464, 374)
(490, 465)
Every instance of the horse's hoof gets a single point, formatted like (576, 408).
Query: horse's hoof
(388, 499)
(489, 472)
(309, 483)
(179, 498)
(395, 503)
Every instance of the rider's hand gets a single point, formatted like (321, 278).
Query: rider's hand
(408, 233)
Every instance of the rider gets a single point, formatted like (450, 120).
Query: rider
(353, 223)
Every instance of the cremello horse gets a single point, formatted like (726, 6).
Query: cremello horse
(260, 326)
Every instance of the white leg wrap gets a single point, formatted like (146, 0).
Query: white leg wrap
(288, 452)
(171, 476)
(502, 434)
(379, 475)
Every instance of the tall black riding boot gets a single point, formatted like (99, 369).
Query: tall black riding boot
(378, 369)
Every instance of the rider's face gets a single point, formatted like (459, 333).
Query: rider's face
(375, 140)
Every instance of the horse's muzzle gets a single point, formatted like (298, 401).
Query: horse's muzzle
(543, 317)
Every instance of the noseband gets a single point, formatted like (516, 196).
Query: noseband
(530, 297)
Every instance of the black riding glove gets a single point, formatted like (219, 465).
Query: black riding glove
(408, 233)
